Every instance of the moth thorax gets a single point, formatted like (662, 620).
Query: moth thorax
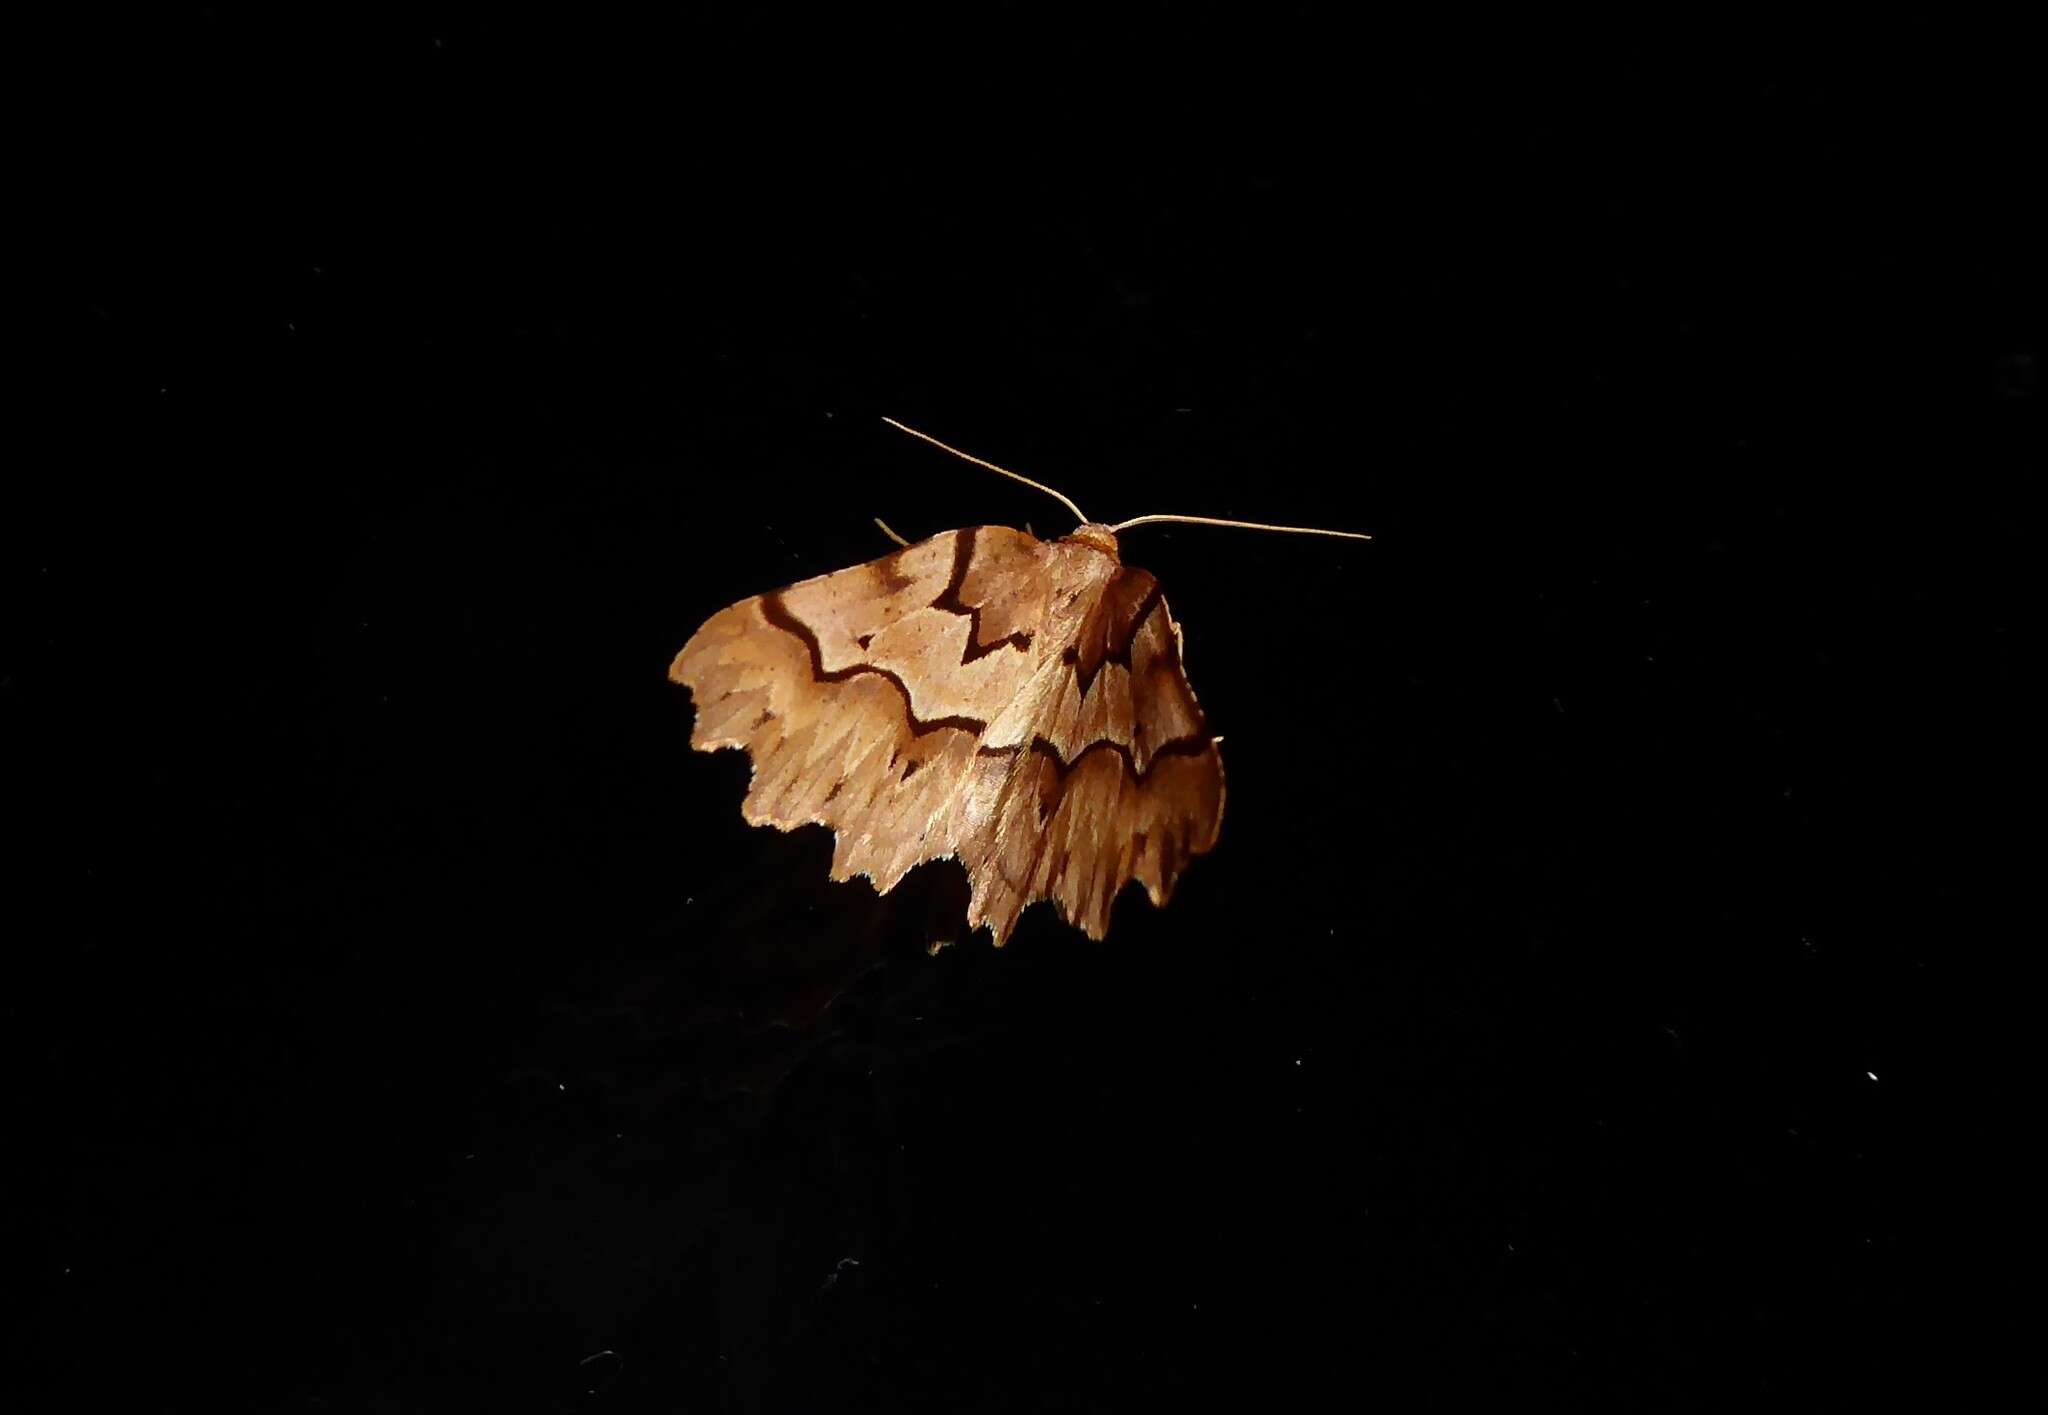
(1096, 537)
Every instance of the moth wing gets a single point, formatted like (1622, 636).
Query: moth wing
(861, 696)
(1123, 779)
(937, 702)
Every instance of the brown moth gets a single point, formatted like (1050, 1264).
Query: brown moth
(1016, 704)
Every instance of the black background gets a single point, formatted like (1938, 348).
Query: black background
(1570, 1012)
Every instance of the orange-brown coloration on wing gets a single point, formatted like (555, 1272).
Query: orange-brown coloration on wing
(1018, 704)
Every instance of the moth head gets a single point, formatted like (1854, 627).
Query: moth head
(1096, 537)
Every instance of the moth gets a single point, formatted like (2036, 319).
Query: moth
(1017, 704)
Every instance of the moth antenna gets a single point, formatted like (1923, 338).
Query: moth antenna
(1065, 501)
(889, 533)
(1241, 525)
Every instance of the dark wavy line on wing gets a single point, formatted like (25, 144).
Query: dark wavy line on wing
(949, 601)
(1174, 747)
(777, 613)
(1085, 674)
